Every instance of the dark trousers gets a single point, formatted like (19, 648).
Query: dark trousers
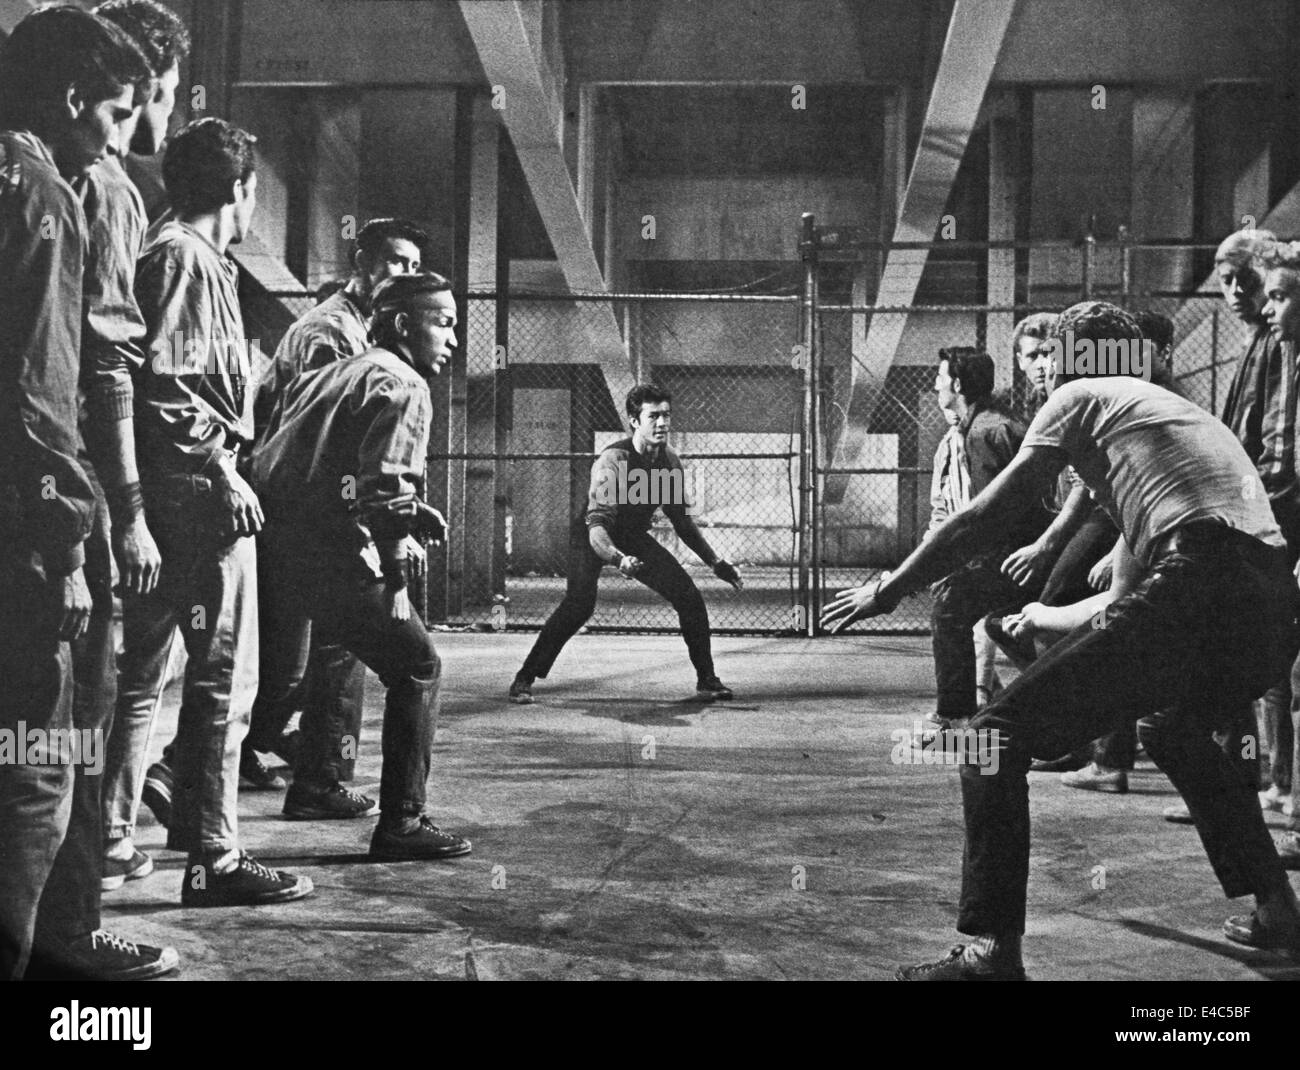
(1210, 627)
(331, 676)
(347, 614)
(1066, 584)
(35, 795)
(960, 601)
(660, 572)
(70, 904)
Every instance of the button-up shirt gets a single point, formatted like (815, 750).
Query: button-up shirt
(193, 405)
(113, 329)
(345, 442)
(336, 329)
(46, 501)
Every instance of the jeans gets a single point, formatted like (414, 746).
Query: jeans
(70, 905)
(663, 575)
(208, 590)
(1206, 630)
(960, 601)
(328, 676)
(347, 614)
(35, 799)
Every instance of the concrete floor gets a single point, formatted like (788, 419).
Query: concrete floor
(621, 830)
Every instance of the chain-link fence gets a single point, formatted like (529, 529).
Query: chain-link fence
(879, 422)
(540, 390)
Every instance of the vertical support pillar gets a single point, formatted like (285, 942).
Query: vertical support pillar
(483, 366)
(1001, 281)
(808, 528)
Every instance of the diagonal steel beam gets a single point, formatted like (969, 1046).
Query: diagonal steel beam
(521, 80)
(976, 31)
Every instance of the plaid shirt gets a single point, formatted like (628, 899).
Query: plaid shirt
(950, 482)
(1261, 410)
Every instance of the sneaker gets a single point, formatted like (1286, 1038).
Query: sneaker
(302, 803)
(1178, 815)
(954, 967)
(118, 871)
(105, 956)
(1246, 929)
(1288, 850)
(254, 774)
(713, 689)
(1278, 801)
(1093, 777)
(157, 794)
(521, 691)
(425, 841)
(249, 884)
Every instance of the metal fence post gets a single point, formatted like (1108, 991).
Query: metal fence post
(809, 580)
(1214, 361)
(1125, 266)
(1089, 254)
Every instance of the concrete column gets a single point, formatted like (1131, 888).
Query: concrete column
(1001, 290)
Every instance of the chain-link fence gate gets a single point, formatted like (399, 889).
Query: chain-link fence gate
(541, 391)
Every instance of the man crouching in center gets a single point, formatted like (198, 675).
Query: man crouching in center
(341, 474)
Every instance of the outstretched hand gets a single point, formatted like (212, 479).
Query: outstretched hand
(856, 603)
(728, 573)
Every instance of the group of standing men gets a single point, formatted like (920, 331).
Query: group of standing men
(1199, 617)
(140, 456)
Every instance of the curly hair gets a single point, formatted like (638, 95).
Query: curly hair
(1279, 254)
(645, 394)
(203, 161)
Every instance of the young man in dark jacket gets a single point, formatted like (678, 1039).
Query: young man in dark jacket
(630, 480)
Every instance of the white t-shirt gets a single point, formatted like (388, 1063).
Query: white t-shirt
(1153, 460)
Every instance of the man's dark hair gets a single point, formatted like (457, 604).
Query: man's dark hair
(973, 368)
(161, 35)
(397, 295)
(1156, 328)
(60, 47)
(645, 394)
(1099, 321)
(203, 161)
(377, 231)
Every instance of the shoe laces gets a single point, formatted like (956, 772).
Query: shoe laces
(953, 956)
(118, 943)
(249, 864)
(352, 796)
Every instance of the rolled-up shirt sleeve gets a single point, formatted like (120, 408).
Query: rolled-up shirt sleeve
(179, 318)
(390, 464)
(114, 330)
